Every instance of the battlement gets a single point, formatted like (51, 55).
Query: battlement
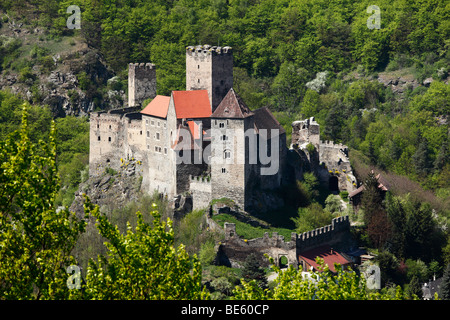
(146, 66)
(331, 144)
(201, 179)
(208, 50)
(310, 238)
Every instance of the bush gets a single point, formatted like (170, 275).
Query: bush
(207, 253)
(26, 75)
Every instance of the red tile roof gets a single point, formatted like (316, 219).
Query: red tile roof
(382, 184)
(195, 129)
(185, 144)
(191, 104)
(157, 107)
(329, 255)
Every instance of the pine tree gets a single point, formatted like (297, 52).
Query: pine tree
(441, 158)
(421, 158)
(253, 271)
(371, 198)
(444, 290)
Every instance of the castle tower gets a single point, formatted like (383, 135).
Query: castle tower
(141, 83)
(210, 68)
(306, 131)
(232, 172)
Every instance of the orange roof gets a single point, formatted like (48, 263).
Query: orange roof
(191, 104)
(329, 256)
(195, 129)
(157, 107)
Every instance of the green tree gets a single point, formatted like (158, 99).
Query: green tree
(414, 288)
(252, 270)
(371, 200)
(36, 239)
(421, 159)
(444, 290)
(143, 263)
(312, 217)
(291, 284)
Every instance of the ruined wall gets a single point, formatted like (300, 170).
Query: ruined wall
(141, 83)
(200, 188)
(337, 164)
(331, 161)
(306, 131)
(234, 250)
(108, 138)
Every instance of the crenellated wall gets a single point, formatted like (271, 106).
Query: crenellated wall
(200, 188)
(235, 249)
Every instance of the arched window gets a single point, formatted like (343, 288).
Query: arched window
(227, 154)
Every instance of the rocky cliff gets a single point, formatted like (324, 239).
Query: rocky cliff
(61, 72)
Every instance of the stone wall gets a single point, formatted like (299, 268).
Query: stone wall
(108, 137)
(234, 250)
(141, 83)
(229, 177)
(200, 188)
(210, 68)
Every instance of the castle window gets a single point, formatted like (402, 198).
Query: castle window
(198, 66)
(140, 132)
(198, 80)
(221, 125)
(109, 139)
(157, 136)
(110, 126)
(98, 138)
(224, 138)
(146, 121)
(165, 150)
(159, 124)
(148, 134)
(153, 122)
(148, 147)
(224, 170)
(227, 154)
(98, 126)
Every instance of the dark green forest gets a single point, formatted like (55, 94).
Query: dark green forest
(301, 58)
(279, 47)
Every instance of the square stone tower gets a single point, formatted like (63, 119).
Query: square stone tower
(141, 83)
(210, 68)
(232, 172)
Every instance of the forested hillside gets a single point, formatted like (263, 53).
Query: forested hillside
(279, 47)
(382, 92)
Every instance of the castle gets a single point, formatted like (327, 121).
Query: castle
(329, 161)
(205, 140)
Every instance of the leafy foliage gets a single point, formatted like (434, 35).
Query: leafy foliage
(36, 239)
(142, 264)
(293, 284)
